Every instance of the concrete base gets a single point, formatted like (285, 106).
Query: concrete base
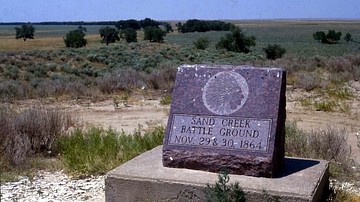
(145, 179)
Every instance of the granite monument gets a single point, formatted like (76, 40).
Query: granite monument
(227, 118)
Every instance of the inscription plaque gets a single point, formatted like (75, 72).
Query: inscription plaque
(217, 132)
(227, 117)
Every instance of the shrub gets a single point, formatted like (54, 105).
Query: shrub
(9, 90)
(222, 191)
(325, 105)
(163, 78)
(202, 43)
(274, 51)
(11, 72)
(31, 131)
(307, 81)
(329, 144)
(96, 151)
(120, 80)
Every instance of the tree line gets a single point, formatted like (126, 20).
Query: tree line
(154, 31)
(194, 25)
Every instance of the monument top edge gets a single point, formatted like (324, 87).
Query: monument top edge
(212, 66)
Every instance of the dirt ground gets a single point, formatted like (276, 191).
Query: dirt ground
(151, 112)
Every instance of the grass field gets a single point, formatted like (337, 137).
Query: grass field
(294, 36)
(47, 37)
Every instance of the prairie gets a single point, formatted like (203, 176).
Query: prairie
(125, 86)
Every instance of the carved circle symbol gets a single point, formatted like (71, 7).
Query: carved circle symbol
(225, 93)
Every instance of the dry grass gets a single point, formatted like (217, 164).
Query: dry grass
(29, 132)
(328, 143)
(9, 43)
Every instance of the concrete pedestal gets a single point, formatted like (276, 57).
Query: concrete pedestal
(145, 179)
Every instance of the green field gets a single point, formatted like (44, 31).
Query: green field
(294, 36)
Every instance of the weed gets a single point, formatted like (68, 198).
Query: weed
(166, 100)
(344, 107)
(96, 151)
(122, 98)
(341, 195)
(32, 165)
(222, 191)
(163, 78)
(11, 72)
(305, 102)
(339, 93)
(296, 140)
(30, 132)
(307, 81)
(120, 80)
(329, 144)
(325, 105)
(269, 198)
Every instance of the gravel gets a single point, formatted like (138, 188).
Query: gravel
(54, 186)
(57, 186)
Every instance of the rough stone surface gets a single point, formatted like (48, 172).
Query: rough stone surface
(227, 117)
(54, 186)
(145, 179)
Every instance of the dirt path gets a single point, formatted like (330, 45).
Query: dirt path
(140, 114)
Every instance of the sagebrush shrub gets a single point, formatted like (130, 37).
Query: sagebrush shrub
(274, 51)
(163, 78)
(329, 144)
(120, 80)
(31, 131)
(201, 43)
(307, 81)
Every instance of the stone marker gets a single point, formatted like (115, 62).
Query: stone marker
(227, 117)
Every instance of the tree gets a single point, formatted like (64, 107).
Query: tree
(148, 22)
(154, 34)
(76, 38)
(332, 37)
(168, 27)
(124, 24)
(109, 35)
(24, 32)
(236, 41)
(129, 35)
(348, 37)
(319, 36)
(274, 51)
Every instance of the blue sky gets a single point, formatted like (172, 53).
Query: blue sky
(97, 10)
